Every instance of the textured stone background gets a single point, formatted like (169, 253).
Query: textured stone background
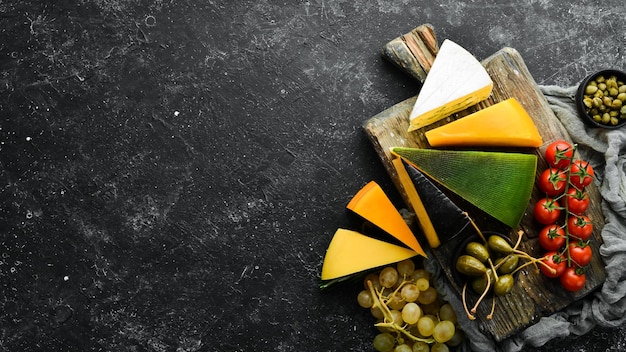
(171, 172)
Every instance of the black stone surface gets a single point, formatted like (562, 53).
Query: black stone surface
(171, 172)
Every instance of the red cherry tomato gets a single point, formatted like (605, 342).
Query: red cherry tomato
(581, 174)
(552, 181)
(555, 261)
(580, 227)
(547, 211)
(580, 253)
(573, 279)
(552, 237)
(577, 201)
(558, 154)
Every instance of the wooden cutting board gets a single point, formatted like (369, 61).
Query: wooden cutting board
(533, 296)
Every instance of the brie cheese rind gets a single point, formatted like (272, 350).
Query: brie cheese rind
(456, 81)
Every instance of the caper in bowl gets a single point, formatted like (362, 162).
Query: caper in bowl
(601, 99)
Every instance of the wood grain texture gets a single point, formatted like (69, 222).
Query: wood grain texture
(414, 51)
(533, 296)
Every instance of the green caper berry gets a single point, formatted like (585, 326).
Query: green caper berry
(611, 82)
(606, 117)
(597, 102)
(591, 89)
(504, 285)
(600, 79)
(607, 101)
(622, 88)
(622, 97)
(602, 86)
(614, 113)
(597, 118)
(623, 110)
(616, 104)
(598, 94)
(614, 121)
(613, 92)
(588, 102)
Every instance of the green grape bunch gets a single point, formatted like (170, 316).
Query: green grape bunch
(410, 314)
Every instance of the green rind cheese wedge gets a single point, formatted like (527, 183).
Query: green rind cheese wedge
(498, 183)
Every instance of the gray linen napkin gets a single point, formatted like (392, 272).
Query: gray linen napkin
(606, 151)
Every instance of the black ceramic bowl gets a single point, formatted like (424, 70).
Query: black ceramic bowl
(584, 110)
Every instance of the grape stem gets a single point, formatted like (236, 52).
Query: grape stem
(388, 318)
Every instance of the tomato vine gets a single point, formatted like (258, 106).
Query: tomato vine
(569, 242)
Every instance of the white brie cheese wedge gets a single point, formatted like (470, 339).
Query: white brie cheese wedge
(456, 81)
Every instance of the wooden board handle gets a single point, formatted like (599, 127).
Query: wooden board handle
(413, 52)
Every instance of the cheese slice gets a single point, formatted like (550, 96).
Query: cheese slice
(456, 81)
(373, 205)
(505, 124)
(416, 203)
(350, 252)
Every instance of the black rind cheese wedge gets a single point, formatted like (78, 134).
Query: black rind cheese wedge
(447, 218)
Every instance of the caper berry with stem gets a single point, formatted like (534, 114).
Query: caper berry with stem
(479, 284)
(497, 275)
(499, 245)
(504, 285)
(508, 264)
(478, 251)
(470, 266)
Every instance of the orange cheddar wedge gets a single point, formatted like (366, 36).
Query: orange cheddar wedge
(505, 124)
(373, 205)
(350, 252)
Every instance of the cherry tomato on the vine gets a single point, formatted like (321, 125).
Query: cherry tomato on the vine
(559, 153)
(555, 261)
(580, 253)
(573, 279)
(580, 227)
(552, 237)
(552, 181)
(547, 211)
(581, 174)
(577, 201)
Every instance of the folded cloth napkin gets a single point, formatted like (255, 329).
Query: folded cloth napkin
(606, 151)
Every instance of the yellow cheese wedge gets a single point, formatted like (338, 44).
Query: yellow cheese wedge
(372, 204)
(350, 252)
(505, 124)
(415, 202)
(456, 81)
